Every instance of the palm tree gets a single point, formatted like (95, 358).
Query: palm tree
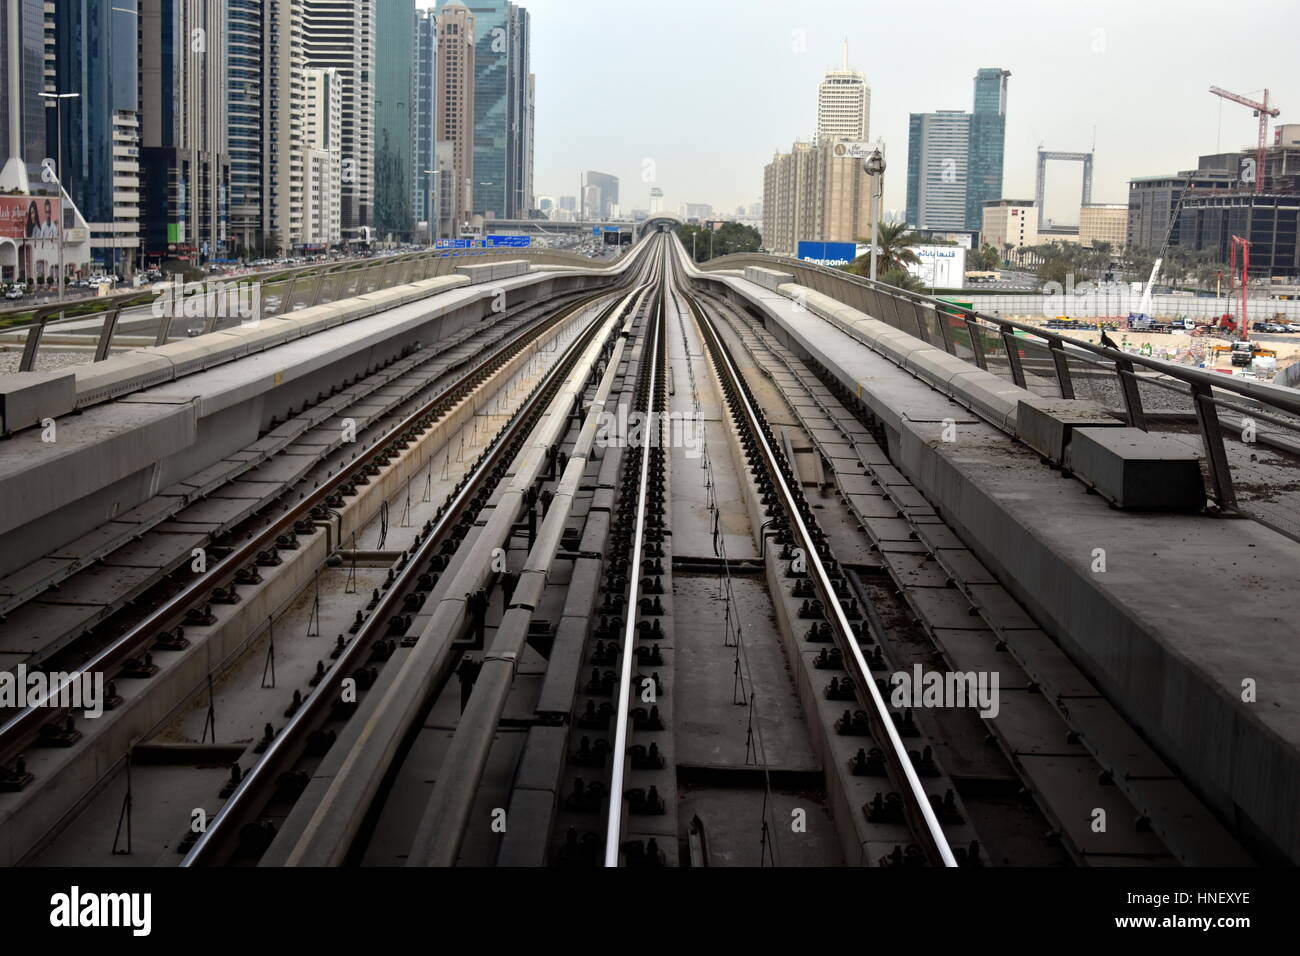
(894, 241)
(902, 279)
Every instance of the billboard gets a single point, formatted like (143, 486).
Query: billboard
(941, 267)
(33, 218)
(828, 253)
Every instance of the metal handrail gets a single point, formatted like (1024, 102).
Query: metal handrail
(1285, 398)
(384, 273)
(891, 305)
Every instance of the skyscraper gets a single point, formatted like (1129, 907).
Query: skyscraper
(394, 102)
(97, 57)
(423, 113)
(185, 171)
(599, 208)
(843, 105)
(341, 34)
(322, 133)
(244, 81)
(938, 151)
(519, 139)
(988, 127)
(954, 159)
(455, 116)
(501, 106)
(283, 156)
(22, 67)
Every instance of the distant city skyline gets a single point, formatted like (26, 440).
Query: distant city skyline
(1089, 66)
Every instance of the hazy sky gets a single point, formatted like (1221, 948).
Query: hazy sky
(709, 89)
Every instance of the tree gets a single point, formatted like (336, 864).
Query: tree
(894, 241)
(902, 279)
(729, 239)
(984, 259)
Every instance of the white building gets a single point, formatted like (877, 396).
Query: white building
(342, 36)
(1009, 222)
(843, 105)
(323, 142)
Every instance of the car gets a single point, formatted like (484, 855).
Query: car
(1276, 327)
(14, 294)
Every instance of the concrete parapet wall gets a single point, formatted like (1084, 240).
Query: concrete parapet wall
(1190, 614)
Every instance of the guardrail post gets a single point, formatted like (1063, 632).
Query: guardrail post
(320, 284)
(1132, 397)
(34, 332)
(164, 327)
(976, 342)
(287, 298)
(1062, 368)
(106, 332)
(1216, 455)
(1013, 356)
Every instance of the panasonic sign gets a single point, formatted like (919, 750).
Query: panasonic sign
(828, 253)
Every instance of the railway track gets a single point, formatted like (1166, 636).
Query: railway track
(667, 650)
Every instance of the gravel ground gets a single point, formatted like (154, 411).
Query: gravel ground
(49, 359)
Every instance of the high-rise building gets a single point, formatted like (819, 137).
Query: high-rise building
(988, 129)
(569, 203)
(502, 105)
(938, 156)
(812, 194)
(455, 116)
(97, 57)
(394, 102)
(599, 204)
(22, 56)
(340, 34)
(244, 91)
(322, 131)
(185, 170)
(519, 140)
(284, 150)
(954, 159)
(656, 200)
(423, 117)
(843, 105)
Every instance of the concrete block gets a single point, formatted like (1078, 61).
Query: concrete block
(28, 397)
(767, 278)
(1135, 469)
(1044, 424)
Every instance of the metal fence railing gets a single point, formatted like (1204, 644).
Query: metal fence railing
(129, 319)
(1230, 419)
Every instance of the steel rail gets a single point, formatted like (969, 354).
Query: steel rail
(441, 832)
(882, 723)
(18, 729)
(285, 748)
(619, 758)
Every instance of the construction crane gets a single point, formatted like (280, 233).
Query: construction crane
(1263, 111)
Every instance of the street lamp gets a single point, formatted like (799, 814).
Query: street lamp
(875, 168)
(58, 171)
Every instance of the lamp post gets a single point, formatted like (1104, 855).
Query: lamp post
(875, 168)
(58, 170)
